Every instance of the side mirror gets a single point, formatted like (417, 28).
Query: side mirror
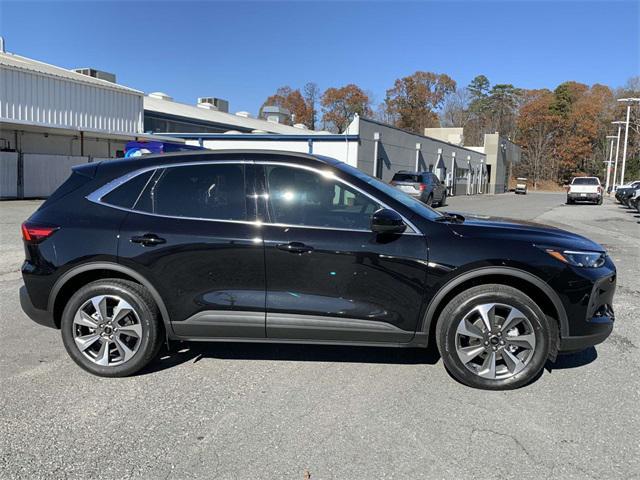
(387, 221)
(442, 182)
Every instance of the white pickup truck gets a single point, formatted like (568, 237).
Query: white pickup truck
(585, 189)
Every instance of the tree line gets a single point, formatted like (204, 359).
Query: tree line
(562, 132)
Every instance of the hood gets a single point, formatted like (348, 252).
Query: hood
(499, 228)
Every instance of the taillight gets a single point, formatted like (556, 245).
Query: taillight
(37, 233)
(423, 187)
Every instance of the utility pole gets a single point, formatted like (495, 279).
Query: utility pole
(626, 134)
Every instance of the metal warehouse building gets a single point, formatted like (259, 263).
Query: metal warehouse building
(52, 118)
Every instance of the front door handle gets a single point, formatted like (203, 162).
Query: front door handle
(294, 247)
(148, 240)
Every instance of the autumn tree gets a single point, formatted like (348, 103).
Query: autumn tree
(414, 100)
(537, 126)
(292, 100)
(340, 105)
(311, 94)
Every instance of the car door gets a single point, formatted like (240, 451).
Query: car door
(192, 234)
(329, 277)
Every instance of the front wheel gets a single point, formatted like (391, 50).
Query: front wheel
(493, 337)
(111, 328)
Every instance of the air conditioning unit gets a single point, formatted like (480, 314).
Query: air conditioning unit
(217, 103)
(92, 72)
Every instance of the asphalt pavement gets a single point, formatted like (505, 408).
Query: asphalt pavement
(246, 411)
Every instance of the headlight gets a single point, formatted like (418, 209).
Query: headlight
(577, 258)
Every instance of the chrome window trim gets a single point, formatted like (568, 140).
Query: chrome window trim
(97, 195)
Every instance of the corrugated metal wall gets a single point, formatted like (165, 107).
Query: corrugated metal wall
(58, 102)
(44, 173)
(8, 174)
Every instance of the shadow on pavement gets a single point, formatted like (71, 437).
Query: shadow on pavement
(194, 352)
(573, 360)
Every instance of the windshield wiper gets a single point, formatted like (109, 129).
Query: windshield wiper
(450, 217)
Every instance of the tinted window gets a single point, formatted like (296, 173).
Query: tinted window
(434, 178)
(197, 191)
(586, 181)
(302, 197)
(127, 193)
(406, 177)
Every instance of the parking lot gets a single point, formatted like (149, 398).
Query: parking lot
(243, 411)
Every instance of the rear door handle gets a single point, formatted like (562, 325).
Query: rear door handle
(294, 247)
(148, 240)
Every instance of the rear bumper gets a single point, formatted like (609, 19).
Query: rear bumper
(587, 197)
(43, 317)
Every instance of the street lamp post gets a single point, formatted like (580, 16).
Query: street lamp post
(626, 134)
(615, 168)
(606, 187)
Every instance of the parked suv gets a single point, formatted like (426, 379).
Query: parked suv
(296, 248)
(425, 186)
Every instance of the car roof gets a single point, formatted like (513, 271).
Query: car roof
(212, 155)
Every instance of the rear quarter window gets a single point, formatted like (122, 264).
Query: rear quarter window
(125, 195)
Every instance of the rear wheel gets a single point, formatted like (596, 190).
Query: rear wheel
(429, 200)
(111, 328)
(493, 337)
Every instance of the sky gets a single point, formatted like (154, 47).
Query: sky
(243, 51)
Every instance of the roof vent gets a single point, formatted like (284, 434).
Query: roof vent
(213, 103)
(161, 96)
(275, 114)
(301, 126)
(243, 114)
(232, 132)
(99, 74)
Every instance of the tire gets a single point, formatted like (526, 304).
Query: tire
(429, 200)
(443, 202)
(569, 201)
(519, 352)
(125, 344)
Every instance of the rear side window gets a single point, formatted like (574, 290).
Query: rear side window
(125, 195)
(586, 181)
(210, 191)
(406, 177)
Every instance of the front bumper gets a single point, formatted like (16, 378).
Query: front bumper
(598, 322)
(43, 317)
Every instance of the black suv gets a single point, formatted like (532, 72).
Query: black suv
(284, 247)
(425, 186)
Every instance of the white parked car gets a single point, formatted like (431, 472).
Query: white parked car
(521, 186)
(585, 189)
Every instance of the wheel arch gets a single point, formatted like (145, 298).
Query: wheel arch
(65, 286)
(528, 283)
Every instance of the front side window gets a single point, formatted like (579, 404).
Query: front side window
(302, 197)
(208, 191)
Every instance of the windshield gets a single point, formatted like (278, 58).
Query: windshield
(586, 181)
(398, 195)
